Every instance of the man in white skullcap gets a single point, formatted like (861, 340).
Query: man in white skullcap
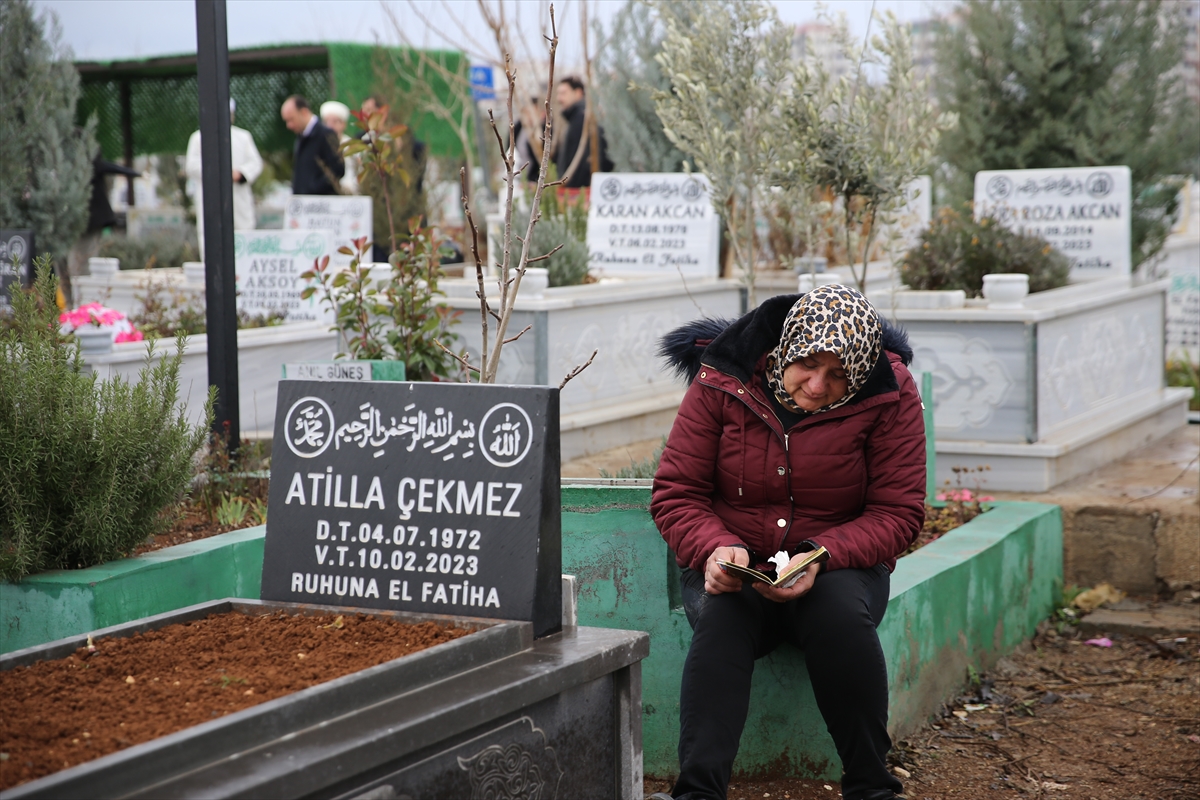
(247, 166)
(335, 116)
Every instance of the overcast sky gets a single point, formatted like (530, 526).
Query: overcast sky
(121, 29)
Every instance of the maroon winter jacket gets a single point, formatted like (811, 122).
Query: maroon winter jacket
(851, 479)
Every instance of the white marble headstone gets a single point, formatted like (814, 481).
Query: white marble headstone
(652, 223)
(1084, 212)
(346, 217)
(269, 265)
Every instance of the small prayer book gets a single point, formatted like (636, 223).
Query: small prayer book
(786, 578)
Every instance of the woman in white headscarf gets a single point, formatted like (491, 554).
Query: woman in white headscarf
(336, 116)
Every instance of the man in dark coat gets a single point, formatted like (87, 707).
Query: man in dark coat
(316, 164)
(528, 132)
(573, 102)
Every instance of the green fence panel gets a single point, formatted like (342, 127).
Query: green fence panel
(164, 103)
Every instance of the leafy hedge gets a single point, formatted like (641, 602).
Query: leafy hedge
(87, 467)
(957, 250)
(151, 251)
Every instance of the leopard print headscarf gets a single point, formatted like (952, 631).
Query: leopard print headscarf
(834, 319)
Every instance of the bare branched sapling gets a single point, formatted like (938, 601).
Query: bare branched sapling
(511, 274)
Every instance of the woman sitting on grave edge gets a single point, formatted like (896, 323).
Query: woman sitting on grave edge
(802, 428)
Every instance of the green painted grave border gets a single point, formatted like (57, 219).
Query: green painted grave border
(51, 605)
(962, 601)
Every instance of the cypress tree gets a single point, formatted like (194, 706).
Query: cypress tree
(626, 77)
(1070, 84)
(45, 158)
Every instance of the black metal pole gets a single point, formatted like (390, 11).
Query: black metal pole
(127, 138)
(220, 281)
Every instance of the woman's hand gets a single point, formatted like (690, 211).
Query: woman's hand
(797, 589)
(716, 580)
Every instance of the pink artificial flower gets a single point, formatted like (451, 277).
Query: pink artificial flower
(77, 318)
(98, 316)
(987, 498)
(128, 336)
(940, 496)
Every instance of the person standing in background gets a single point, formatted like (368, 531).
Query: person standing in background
(528, 131)
(369, 106)
(316, 165)
(335, 116)
(247, 166)
(573, 102)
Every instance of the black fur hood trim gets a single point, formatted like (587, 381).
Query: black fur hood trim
(734, 346)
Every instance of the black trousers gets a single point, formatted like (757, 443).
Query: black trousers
(834, 624)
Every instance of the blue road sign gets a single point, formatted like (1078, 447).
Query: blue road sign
(482, 83)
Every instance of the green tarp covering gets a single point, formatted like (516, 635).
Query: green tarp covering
(164, 109)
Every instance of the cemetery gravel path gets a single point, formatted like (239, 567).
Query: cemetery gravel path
(1060, 720)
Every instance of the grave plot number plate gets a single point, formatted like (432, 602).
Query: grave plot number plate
(430, 497)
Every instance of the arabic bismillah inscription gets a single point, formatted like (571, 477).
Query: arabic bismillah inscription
(436, 432)
(504, 436)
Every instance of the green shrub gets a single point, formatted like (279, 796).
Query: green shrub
(1185, 372)
(565, 205)
(646, 468)
(164, 316)
(956, 251)
(242, 474)
(396, 318)
(568, 266)
(150, 252)
(87, 467)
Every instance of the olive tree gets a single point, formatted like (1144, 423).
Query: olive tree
(727, 72)
(858, 141)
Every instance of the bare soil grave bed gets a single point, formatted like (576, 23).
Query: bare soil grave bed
(191, 525)
(57, 714)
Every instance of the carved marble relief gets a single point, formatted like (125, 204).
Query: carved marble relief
(1091, 360)
(969, 380)
(516, 360)
(525, 769)
(628, 345)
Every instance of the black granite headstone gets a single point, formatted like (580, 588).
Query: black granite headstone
(14, 245)
(430, 497)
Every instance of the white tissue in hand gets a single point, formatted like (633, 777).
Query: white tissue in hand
(781, 560)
